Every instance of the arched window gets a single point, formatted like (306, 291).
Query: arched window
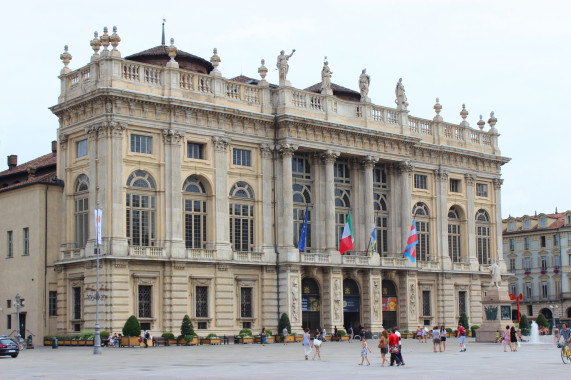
(194, 200)
(454, 242)
(483, 236)
(141, 209)
(242, 217)
(81, 211)
(421, 214)
(381, 222)
(301, 202)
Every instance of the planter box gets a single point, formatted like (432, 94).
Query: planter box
(258, 339)
(279, 339)
(75, 342)
(129, 341)
(193, 342)
(81, 342)
(89, 342)
(246, 340)
(210, 341)
(173, 342)
(65, 342)
(339, 338)
(47, 342)
(299, 338)
(149, 342)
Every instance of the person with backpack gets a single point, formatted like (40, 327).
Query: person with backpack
(462, 338)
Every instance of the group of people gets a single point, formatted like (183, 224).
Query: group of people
(112, 341)
(510, 338)
(309, 344)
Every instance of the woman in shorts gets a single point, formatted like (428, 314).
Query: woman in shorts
(443, 338)
(383, 345)
(436, 338)
(317, 344)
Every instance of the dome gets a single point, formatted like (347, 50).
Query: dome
(159, 56)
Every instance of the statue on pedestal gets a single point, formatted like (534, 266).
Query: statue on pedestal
(364, 81)
(283, 66)
(326, 79)
(496, 275)
(401, 96)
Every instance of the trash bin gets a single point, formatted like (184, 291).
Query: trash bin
(54, 343)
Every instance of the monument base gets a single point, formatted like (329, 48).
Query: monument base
(497, 314)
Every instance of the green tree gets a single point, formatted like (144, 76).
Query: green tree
(464, 321)
(284, 322)
(132, 327)
(541, 320)
(186, 327)
(524, 324)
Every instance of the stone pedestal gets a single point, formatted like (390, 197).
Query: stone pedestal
(497, 314)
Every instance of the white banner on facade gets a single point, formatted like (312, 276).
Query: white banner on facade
(98, 225)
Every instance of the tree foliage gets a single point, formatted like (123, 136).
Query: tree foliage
(464, 321)
(132, 327)
(524, 324)
(186, 327)
(541, 320)
(284, 322)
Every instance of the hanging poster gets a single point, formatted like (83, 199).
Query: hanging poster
(309, 303)
(351, 304)
(389, 304)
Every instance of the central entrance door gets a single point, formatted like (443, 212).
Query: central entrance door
(310, 304)
(351, 304)
(390, 304)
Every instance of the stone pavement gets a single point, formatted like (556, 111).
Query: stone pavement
(276, 361)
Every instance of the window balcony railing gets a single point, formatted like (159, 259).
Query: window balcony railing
(250, 257)
(315, 257)
(356, 260)
(136, 250)
(393, 262)
(201, 254)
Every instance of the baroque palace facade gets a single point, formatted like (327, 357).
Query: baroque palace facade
(204, 183)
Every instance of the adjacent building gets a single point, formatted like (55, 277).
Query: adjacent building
(204, 183)
(537, 251)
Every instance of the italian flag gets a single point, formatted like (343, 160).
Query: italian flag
(346, 243)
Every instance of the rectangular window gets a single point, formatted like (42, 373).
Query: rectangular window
(145, 301)
(9, 322)
(246, 302)
(527, 265)
(461, 302)
(512, 244)
(81, 215)
(141, 144)
(529, 310)
(556, 262)
(426, 303)
(8, 304)
(557, 289)
(482, 190)
(10, 244)
(53, 304)
(454, 185)
(423, 247)
(513, 288)
(241, 157)
(202, 302)
(202, 325)
(81, 148)
(194, 150)
(420, 181)
(76, 312)
(526, 243)
(512, 265)
(26, 241)
(543, 262)
(555, 240)
(528, 290)
(544, 289)
(300, 166)
(542, 241)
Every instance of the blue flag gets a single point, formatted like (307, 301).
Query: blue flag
(303, 234)
(372, 242)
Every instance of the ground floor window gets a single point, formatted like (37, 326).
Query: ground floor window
(246, 302)
(201, 301)
(145, 301)
(53, 304)
(462, 302)
(426, 310)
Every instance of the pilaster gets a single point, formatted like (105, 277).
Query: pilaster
(285, 206)
(328, 203)
(441, 177)
(405, 173)
(368, 212)
(266, 152)
(221, 166)
(471, 222)
(174, 243)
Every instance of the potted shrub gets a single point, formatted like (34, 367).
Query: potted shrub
(48, 340)
(448, 331)
(473, 329)
(342, 335)
(131, 332)
(210, 339)
(245, 336)
(258, 338)
(187, 335)
(284, 323)
(406, 334)
(524, 325)
(169, 338)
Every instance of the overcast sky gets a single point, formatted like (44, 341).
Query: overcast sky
(512, 57)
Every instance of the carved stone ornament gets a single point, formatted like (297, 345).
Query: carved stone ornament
(95, 45)
(401, 100)
(220, 143)
(172, 50)
(215, 60)
(114, 39)
(441, 175)
(287, 150)
(437, 108)
(469, 179)
(405, 167)
(464, 115)
(369, 162)
(65, 57)
(481, 123)
(329, 157)
(266, 150)
(172, 136)
(294, 300)
(376, 300)
(412, 301)
(105, 41)
(498, 182)
(263, 70)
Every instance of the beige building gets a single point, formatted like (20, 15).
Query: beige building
(537, 252)
(204, 182)
(30, 204)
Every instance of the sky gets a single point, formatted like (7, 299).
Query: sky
(510, 57)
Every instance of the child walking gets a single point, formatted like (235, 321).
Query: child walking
(364, 349)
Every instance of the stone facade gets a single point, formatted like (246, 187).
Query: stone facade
(204, 183)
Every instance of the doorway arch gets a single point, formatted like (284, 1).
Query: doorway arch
(310, 304)
(390, 303)
(351, 304)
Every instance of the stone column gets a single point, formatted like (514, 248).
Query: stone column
(115, 203)
(441, 177)
(221, 195)
(62, 155)
(368, 214)
(357, 205)
(405, 171)
(498, 220)
(318, 238)
(285, 206)
(471, 222)
(92, 147)
(328, 203)
(395, 228)
(174, 244)
(267, 198)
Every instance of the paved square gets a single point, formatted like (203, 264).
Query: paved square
(276, 361)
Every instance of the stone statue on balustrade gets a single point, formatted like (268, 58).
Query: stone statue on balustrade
(401, 96)
(326, 79)
(283, 66)
(496, 275)
(364, 81)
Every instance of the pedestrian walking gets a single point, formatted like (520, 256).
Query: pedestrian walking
(513, 339)
(394, 348)
(264, 336)
(146, 337)
(399, 353)
(365, 351)
(306, 343)
(436, 339)
(507, 339)
(383, 342)
(443, 338)
(351, 333)
(424, 334)
(317, 345)
(462, 338)
(284, 331)
(419, 334)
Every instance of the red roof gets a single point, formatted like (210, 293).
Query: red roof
(558, 223)
(39, 170)
(47, 160)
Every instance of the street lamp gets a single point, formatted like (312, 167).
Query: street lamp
(19, 302)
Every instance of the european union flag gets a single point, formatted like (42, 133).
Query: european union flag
(303, 234)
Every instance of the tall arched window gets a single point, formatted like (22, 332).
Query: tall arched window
(342, 179)
(194, 213)
(81, 210)
(381, 222)
(242, 217)
(301, 202)
(483, 236)
(421, 214)
(454, 243)
(141, 209)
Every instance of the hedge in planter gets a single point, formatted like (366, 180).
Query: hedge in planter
(186, 327)
(132, 327)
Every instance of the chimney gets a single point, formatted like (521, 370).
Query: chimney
(54, 146)
(12, 161)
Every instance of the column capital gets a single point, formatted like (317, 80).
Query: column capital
(172, 136)
(63, 141)
(287, 150)
(441, 175)
(329, 156)
(266, 150)
(469, 179)
(221, 143)
(405, 167)
(498, 183)
(369, 162)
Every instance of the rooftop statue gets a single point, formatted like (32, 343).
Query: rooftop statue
(283, 66)
(364, 81)
(401, 96)
(326, 79)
